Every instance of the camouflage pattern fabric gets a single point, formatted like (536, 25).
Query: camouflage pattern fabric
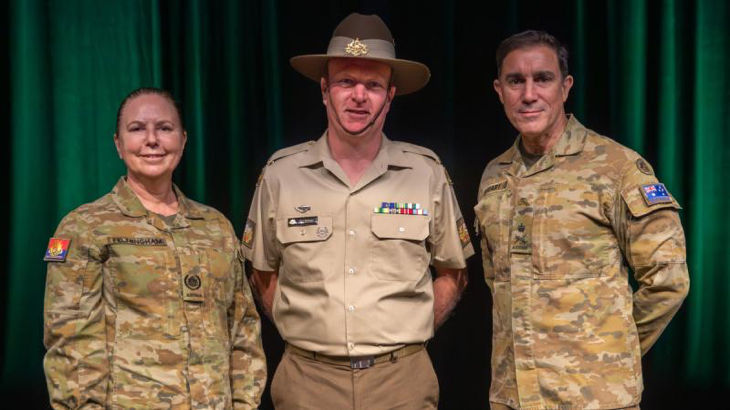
(557, 241)
(143, 314)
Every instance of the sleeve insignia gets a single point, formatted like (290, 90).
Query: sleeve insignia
(655, 194)
(57, 250)
(463, 232)
(248, 233)
(643, 167)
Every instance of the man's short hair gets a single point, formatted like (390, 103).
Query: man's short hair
(532, 38)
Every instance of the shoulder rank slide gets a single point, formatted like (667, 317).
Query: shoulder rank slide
(57, 250)
(655, 194)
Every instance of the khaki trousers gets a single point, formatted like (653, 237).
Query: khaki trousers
(305, 384)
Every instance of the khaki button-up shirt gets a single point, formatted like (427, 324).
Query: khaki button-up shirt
(352, 280)
(142, 314)
(557, 241)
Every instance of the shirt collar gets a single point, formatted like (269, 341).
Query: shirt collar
(389, 154)
(130, 205)
(571, 142)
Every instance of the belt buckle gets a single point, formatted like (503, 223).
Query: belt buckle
(362, 362)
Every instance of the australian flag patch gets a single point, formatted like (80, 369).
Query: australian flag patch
(655, 194)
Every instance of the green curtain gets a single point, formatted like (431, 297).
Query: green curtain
(652, 74)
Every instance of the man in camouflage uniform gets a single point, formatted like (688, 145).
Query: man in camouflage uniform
(563, 214)
(145, 311)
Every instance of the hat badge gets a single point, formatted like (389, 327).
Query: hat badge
(356, 48)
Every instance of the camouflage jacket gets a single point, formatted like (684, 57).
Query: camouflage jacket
(557, 241)
(142, 314)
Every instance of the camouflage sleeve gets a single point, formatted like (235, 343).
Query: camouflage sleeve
(652, 239)
(75, 364)
(248, 363)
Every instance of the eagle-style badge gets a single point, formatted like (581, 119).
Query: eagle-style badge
(57, 250)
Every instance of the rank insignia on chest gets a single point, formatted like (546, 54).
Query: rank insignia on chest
(655, 194)
(303, 221)
(402, 208)
(57, 250)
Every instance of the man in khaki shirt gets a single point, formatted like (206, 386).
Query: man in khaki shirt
(563, 214)
(341, 234)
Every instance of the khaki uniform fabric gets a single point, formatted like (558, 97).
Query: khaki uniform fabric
(354, 282)
(127, 325)
(408, 383)
(557, 241)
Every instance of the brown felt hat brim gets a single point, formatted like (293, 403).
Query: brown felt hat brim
(408, 76)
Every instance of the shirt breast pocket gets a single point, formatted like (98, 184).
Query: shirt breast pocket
(143, 286)
(307, 249)
(572, 238)
(398, 251)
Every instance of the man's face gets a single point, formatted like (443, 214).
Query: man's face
(532, 91)
(355, 92)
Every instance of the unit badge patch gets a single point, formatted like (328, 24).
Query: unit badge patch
(643, 166)
(248, 233)
(57, 250)
(655, 194)
(463, 232)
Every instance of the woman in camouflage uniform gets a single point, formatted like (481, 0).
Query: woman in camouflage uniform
(146, 302)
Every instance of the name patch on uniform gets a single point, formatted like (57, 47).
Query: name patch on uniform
(138, 241)
(57, 250)
(303, 221)
(248, 233)
(495, 187)
(655, 194)
(463, 232)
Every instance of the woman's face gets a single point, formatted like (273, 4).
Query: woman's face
(150, 138)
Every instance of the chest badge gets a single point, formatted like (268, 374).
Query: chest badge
(402, 208)
(302, 208)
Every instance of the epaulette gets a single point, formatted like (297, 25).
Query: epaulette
(288, 151)
(417, 149)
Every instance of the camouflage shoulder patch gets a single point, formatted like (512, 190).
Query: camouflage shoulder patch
(57, 250)
(463, 232)
(248, 233)
(644, 167)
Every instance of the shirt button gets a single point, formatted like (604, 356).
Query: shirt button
(351, 308)
(351, 271)
(351, 346)
(401, 229)
(303, 232)
(352, 232)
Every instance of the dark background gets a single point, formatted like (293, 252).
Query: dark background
(228, 63)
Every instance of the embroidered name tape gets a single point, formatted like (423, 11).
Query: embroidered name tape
(655, 194)
(495, 187)
(139, 241)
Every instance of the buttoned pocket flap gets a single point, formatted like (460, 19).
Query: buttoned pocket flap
(396, 226)
(288, 232)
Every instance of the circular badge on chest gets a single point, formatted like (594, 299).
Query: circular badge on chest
(192, 281)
